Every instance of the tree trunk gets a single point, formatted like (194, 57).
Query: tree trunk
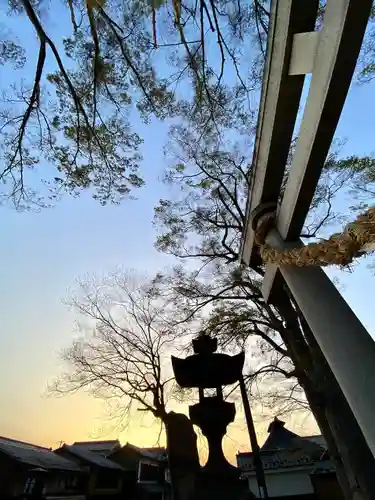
(354, 462)
(183, 456)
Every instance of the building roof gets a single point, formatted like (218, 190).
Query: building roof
(318, 439)
(283, 448)
(279, 438)
(283, 439)
(90, 457)
(156, 453)
(323, 467)
(35, 456)
(130, 455)
(103, 447)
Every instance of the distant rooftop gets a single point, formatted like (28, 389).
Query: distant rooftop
(283, 448)
(90, 457)
(35, 456)
(103, 447)
(282, 439)
(318, 439)
(156, 453)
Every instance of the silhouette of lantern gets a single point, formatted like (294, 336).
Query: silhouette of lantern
(206, 369)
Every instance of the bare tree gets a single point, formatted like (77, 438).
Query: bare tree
(125, 355)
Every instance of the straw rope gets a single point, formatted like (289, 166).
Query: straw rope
(357, 238)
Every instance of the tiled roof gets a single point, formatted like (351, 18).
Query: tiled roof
(278, 460)
(35, 456)
(323, 467)
(283, 448)
(153, 453)
(91, 457)
(318, 439)
(102, 447)
(283, 439)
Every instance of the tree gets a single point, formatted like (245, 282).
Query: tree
(69, 125)
(75, 118)
(203, 223)
(367, 59)
(125, 356)
(107, 63)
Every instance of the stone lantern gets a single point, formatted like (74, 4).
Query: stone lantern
(206, 369)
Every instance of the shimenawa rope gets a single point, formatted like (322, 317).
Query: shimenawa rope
(357, 238)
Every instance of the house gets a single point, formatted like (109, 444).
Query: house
(28, 470)
(92, 470)
(105, 477)
(295, 467)
(147, 470)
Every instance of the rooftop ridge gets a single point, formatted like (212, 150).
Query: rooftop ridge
(12, 440)
(100, 441)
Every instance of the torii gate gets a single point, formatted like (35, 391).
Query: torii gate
(294, 50)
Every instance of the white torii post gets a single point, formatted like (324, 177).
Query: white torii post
(330, 55)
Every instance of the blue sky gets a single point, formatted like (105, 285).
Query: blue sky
(41, 255)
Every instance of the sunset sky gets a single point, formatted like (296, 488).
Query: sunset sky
(41, 255)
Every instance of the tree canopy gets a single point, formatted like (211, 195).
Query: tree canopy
(68, 111)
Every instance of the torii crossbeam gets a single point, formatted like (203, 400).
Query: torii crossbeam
(330, 55)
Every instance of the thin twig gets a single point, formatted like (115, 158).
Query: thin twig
(72, 15)
(33, 102)
(113, 27)
(154, 24)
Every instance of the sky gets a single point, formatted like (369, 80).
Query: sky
(42, 254)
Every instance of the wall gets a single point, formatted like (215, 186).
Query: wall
(91, 487)
(12, 478)
(285, 482)
(60, 497)
(55, 484)
(152, 486)
(93, 490)
(130, 459)
(327, 487)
